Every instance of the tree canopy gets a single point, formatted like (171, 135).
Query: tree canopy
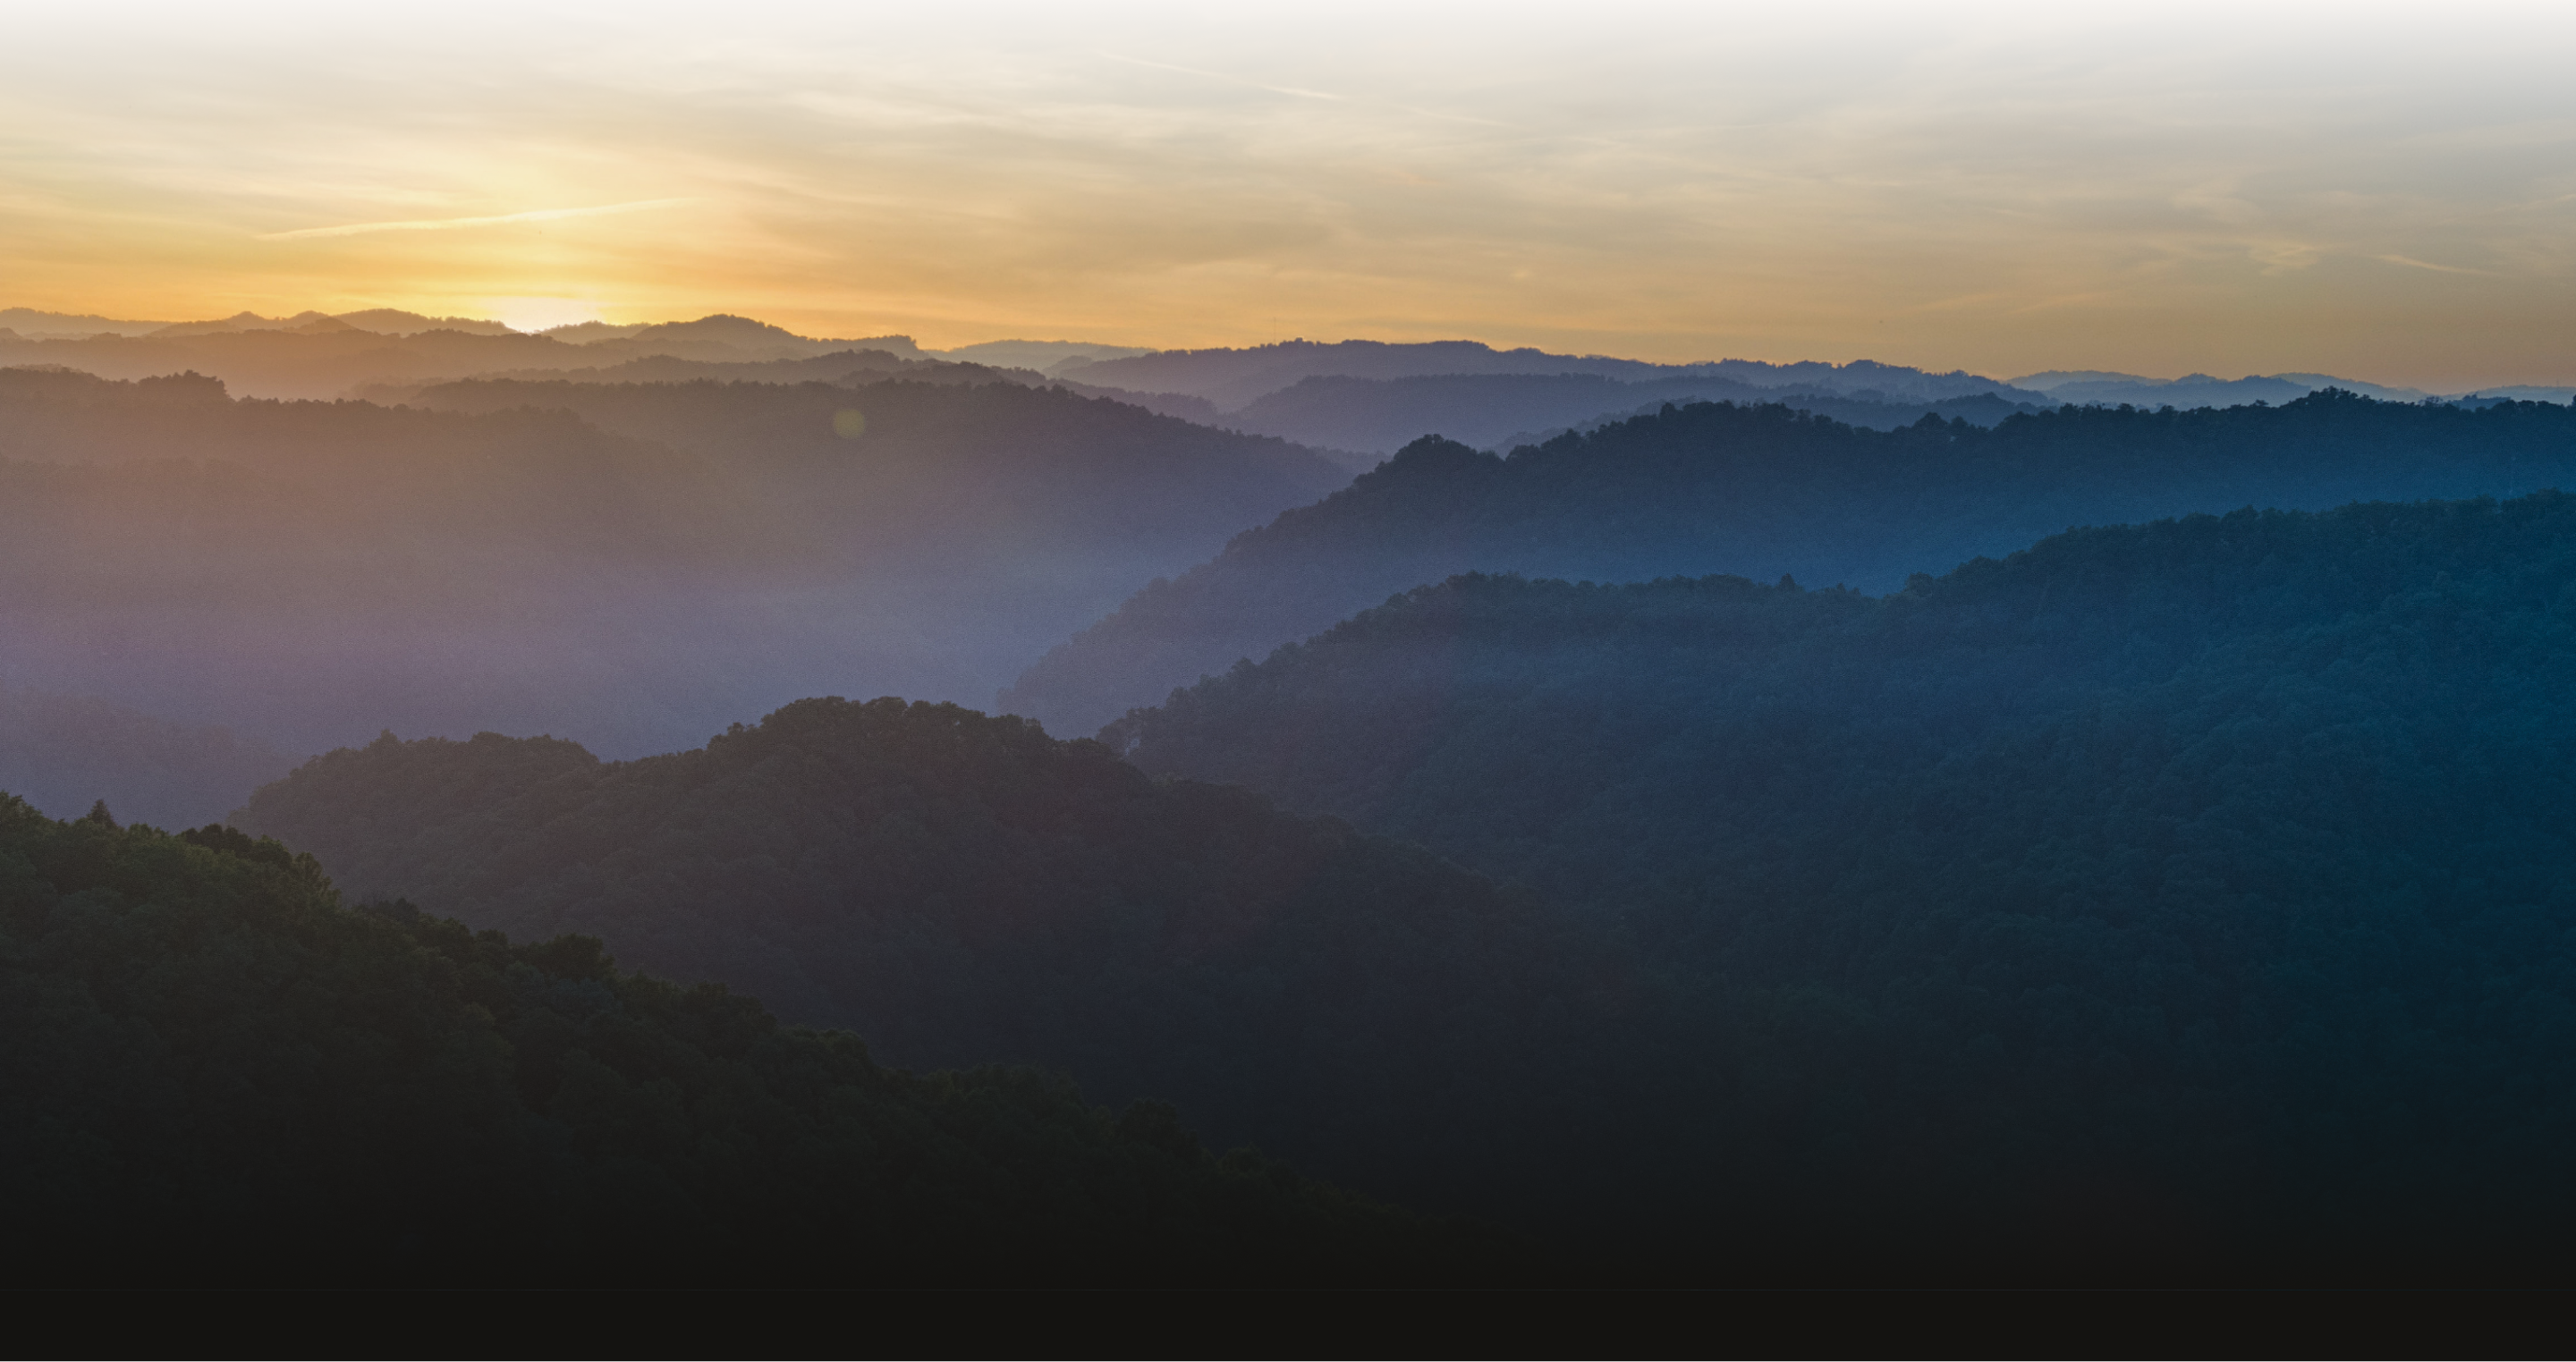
(962, 888)
(2212, 865)
(218, 1074)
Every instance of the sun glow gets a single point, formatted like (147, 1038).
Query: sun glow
(539, 314)
(2001, 187)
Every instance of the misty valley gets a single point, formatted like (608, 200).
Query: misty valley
(488, 806)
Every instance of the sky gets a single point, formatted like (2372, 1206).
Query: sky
(2384, 192)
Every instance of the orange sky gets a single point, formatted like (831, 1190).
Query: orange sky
(2386, 193)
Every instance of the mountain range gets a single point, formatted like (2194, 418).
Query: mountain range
(1766, 490)
(633, 562)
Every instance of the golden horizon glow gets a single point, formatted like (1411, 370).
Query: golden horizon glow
(2001, 188)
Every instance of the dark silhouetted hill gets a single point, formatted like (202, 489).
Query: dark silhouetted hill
(1762, 491)
(2209, 872)
(219, 1076)
(960, 887)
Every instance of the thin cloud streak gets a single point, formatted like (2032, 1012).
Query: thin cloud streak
(2429, 265)
(1298, 93)
(448, 224)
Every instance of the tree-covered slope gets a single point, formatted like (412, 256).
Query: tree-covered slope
(1762, 491)
(217, 1075)
(961, 888)
(2219, 864)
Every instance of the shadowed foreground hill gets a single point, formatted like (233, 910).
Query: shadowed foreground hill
(2182, 898)
(2211, 872)
(218, 1075)
(1763, 491)
(962, 888)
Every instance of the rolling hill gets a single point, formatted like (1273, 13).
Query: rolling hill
(2202, 876)
(309, 573)
(1763, 491)
(219, 1074)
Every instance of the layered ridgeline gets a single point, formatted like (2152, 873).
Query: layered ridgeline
(318, 357)
(1367, 399)
(960, 888)
(1378, 416)
(218, 1074)
(1232, 377)
(2209, 872)
(309, 573)
(1766, 490)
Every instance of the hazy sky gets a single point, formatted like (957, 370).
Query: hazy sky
(2385, 192)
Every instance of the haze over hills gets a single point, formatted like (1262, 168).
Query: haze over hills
(1043, 356)
(2202, 390)
(1503, 411)
(824, 646)
(62, 753)
(1233, 378)
(2214, 860)
(309, 573)
(1762, 491)
(319, 357)
(2210, 861)
(1737, 881)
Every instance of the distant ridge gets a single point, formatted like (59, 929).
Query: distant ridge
(1043, 356)
(2108, 388)
(1761, 490)
(31, 324)
(310, 355)
(1234, 378)
(387, 321)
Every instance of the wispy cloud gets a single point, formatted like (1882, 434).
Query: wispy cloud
(445, 224)
(1297, 92)
(1230, 80)
(2428, 265)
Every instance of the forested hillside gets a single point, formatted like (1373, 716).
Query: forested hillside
(219, 1075)
(308, 573)
(2180, 896)
(2211, 869)
(962, 889)
(1765, 490)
